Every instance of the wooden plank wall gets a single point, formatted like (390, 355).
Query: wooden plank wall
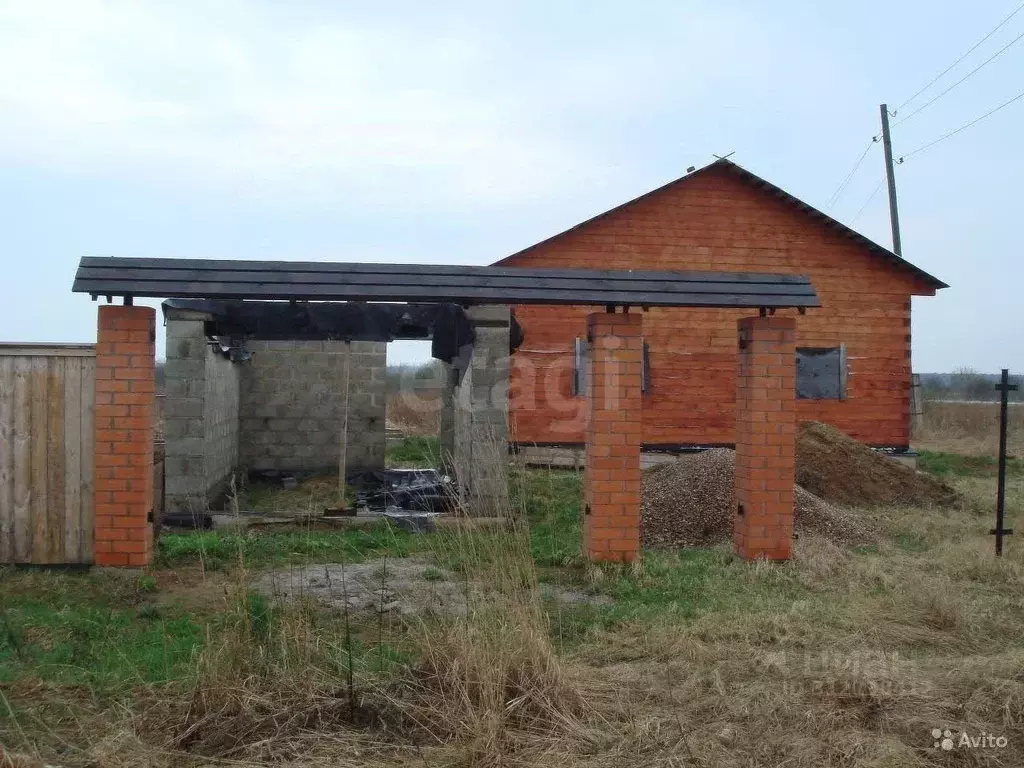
(46, 453)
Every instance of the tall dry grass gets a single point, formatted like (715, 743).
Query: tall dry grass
(969, 428)
(419, 415)
(851, 661)
(484, 685)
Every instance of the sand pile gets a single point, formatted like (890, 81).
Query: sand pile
(837, 468)
(691, 503)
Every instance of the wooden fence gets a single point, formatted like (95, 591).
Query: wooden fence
(46, 453)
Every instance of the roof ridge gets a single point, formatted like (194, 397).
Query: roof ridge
(787, 197)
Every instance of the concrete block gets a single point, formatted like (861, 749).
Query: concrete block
(183, 408)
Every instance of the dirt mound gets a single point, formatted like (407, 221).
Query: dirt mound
(691, 503)
(837, 468)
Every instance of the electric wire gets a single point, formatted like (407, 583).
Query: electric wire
(963, 127)
(846, 181)
(866, 203)
(958, 82)
(964, 56)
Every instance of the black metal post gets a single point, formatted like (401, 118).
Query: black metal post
(1005, 388)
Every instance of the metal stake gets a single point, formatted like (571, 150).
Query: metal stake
(1005, 388)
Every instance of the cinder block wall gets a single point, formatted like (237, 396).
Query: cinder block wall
(201, 406)
(293, 403)
(479, 422)
(220, 418)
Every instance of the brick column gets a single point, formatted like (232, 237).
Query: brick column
(765, 435)
(125, 411)
(611, 522)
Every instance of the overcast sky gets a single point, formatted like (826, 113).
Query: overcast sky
(460, 132)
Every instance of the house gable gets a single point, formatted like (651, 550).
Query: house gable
(721, 217)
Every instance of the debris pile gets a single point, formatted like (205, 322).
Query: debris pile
(837, 468)
(411, 490)
(691, 503)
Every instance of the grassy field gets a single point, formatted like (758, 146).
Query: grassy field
(692, 658)
(969, 429)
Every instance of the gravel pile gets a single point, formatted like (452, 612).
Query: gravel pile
(837, 468)
(691, 503)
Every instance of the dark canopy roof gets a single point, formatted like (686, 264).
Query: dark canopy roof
(466, 285)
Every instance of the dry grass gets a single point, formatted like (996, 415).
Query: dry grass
(882, 649)
(416, 413)
(285, 684)
(414, 399)
(971, 429)
(839, 658)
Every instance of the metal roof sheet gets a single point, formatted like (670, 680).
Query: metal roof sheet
(466, 285)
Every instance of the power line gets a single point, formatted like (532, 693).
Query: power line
(866, 203)
(954, 85)
(964, 56)
(963, 127)
(845, 182)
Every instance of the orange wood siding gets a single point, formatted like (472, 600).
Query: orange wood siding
(716, 221)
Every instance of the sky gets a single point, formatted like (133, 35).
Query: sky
(460, 132)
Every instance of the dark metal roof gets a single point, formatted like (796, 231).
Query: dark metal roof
(325, 281)
(752, 178)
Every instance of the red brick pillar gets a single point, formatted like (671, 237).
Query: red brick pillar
(765, 435)
(125, 413)
(611, 522)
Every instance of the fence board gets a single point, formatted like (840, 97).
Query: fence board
(6, 461)
(55, 460)
(40, 518)
(46, 454)
(72, 459)
(22, 455)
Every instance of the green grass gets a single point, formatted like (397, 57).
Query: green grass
(255, 549)
(672, 587)
(103, 632)
(414, 451)
(91, 630)
(665, 585)
(552, 500)
(957, 465)
(909, 541)
(106, 631)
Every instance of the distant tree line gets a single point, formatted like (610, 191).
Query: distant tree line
(966, 384)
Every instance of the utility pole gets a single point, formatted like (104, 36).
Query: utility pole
(894, 214)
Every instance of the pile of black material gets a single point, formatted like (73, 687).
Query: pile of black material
(419, 490)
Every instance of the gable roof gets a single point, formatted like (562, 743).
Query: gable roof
(755, 180)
